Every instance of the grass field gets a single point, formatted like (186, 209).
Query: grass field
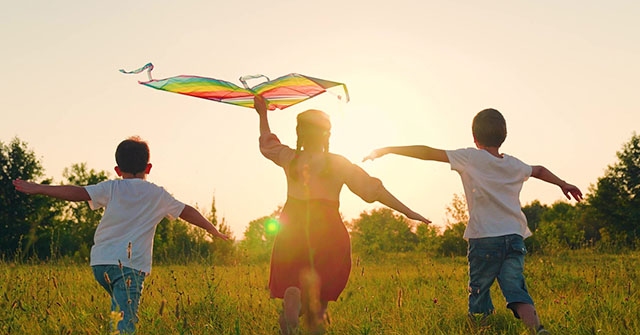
(575, 293)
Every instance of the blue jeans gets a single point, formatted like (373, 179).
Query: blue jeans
(500, 257)
(124, 285)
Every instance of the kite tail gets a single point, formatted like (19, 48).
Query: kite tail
(148, 67)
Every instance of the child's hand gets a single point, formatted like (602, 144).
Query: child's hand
(375, 154)
(217, 234)
(573, 190)
(417, 217)
(25, 186)
(259, 104)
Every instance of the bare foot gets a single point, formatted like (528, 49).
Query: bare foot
(285, 329)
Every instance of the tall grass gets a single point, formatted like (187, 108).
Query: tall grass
(577, 292)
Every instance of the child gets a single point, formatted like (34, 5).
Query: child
(311, 257)
(121, 255)
(497, 226)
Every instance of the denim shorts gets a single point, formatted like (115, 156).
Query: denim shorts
(124, 286)
(500, 257)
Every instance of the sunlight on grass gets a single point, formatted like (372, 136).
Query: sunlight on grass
(400, 294)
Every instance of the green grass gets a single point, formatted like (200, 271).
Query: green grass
(575, 293)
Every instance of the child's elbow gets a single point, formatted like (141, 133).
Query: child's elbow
(537, 170)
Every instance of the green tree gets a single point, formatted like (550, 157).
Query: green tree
(533, 212)
(429, 239)
(223, 250)
(616, 196)
(457, 211)
(176, 241)
(382, 230)
(25, 221)
(74, 235)
(559, 227)
(452, 241)
(259, 237)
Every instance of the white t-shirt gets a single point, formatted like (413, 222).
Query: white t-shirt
(492, 187)
(133, 208)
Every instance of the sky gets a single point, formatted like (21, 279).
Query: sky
(565, 74)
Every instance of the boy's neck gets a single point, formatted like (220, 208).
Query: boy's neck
(139, 175)
(495, 151)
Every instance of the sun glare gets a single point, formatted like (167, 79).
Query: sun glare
(272, 226)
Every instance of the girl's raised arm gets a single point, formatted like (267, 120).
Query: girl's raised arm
(261, 107)
(270, 145)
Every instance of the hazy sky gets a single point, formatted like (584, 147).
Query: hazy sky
(564, 73)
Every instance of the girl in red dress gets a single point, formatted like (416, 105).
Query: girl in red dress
(311, 257)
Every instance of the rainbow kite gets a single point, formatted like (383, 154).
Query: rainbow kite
(279, 93)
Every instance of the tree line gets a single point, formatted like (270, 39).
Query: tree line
(44, 228)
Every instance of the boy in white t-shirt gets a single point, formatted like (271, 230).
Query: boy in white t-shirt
(123, 241)
(497, 226)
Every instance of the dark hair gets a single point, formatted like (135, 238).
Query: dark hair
(311, 131)
(132, 155)
(489, 128)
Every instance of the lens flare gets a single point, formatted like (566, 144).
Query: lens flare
(272, 226)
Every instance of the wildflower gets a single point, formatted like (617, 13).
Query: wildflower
(115, 317)
(129, 250)
(106, 278)
(435, 300)
(128, 282)
(120, 264)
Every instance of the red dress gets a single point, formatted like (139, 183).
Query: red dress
(312, 237)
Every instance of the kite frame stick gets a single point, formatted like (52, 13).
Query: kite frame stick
(244, 79)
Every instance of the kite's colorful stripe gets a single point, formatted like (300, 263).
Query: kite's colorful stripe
(279, 93)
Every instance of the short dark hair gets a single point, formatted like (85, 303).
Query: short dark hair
(489, 128)
(132, 155)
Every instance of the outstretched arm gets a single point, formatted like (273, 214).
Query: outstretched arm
(542, 173)
(261, 107)
(370, 189)
(64, 192)
(387, 199)
(194, 217)
(415, 151)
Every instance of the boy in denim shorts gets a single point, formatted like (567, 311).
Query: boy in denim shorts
(497, 226)
(123, 241)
